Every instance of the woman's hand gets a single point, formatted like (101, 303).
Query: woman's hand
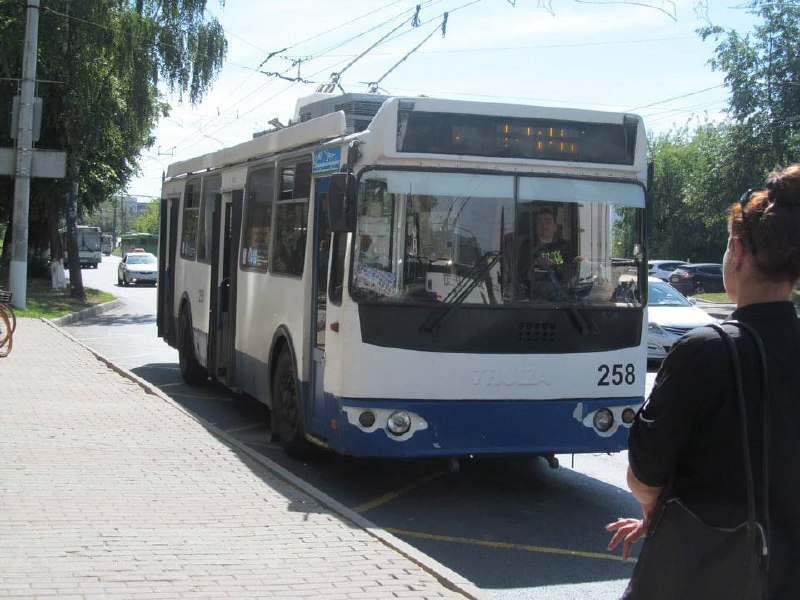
(627, 531)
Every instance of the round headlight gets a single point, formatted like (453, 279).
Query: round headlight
(399, 422)
(367, 418)
(628, 415)
(603, 420)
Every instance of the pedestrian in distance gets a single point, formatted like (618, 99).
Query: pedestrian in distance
(688, 441)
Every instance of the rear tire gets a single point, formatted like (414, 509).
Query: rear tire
(191, 370)
(699, 289)
(286, 409)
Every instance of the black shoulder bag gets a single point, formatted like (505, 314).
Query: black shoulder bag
(683, 558)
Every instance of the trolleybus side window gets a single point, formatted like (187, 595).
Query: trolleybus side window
(211, 194)
(191, 206)
(291, 220)
(257, 229)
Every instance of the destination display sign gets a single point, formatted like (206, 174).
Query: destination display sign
(497, 136)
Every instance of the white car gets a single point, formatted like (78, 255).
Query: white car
(662, 268)
(138, 267)
(669, 316)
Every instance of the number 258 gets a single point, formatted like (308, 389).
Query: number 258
(616, 374)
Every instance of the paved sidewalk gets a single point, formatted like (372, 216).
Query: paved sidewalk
(110, 490)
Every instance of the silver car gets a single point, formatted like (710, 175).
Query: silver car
(138, 267)
(669, 315)
(662, 268)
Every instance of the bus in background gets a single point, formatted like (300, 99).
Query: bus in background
(145, 241)
(369, 273)
(106, 243)
(88, 245)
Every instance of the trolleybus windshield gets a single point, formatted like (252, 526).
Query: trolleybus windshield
(478, 239)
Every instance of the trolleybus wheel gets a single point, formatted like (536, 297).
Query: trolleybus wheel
(286, 409)
(191, 370)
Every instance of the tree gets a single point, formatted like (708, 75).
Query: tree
(108, 57)
(147, 222)
(697, 176)
(762, 71)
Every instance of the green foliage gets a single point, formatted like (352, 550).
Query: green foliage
(699, 175)
(147, 222)
(761, 71)
(103, 61)
(691, 192)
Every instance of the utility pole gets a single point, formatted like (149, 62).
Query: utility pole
(18, 273)
(114, 226)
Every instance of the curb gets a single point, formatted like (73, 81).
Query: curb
(447, 577)
(85, 313)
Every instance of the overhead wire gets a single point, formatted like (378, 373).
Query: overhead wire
(233, 108)
(325, 51)
(200, 128)
(313, 56)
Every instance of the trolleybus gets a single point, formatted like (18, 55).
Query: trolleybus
(144, 241)
(370, 273)
(106, 243)
(88, 245)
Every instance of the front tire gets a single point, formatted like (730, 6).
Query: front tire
(191, 371)
(286, 413)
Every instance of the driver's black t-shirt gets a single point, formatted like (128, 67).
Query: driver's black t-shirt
(688, 431)
(555, 254)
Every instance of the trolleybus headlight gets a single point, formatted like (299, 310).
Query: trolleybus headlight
(366, 418)
(399, 422)
(628, 415)
(603, 420)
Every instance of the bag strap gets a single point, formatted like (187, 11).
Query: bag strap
(762, 356)
(737, 375)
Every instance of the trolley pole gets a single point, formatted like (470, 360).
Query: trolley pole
(18, 273)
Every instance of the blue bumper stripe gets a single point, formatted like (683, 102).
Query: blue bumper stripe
(460, 428)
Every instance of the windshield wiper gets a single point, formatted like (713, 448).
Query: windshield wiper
(462, 290)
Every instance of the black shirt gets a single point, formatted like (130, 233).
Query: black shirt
(689, 430)
(556, 254)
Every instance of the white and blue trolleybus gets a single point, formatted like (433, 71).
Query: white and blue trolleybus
(377, 274)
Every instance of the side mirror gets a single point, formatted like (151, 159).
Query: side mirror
(342, 202)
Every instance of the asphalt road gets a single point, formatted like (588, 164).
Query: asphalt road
(515, 528)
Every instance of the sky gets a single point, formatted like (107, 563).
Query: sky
(641, 56)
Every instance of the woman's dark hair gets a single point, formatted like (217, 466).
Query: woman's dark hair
(767, 221)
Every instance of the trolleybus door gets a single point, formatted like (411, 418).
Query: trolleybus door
(322, 242)
(168, 243)
(230, 218)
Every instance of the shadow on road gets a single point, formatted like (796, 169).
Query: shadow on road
(116, 320)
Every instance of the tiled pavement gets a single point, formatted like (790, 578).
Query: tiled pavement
(108, 489)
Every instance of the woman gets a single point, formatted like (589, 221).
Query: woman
(687, 434)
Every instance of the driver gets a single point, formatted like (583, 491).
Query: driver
(545, 267)
(550, 251)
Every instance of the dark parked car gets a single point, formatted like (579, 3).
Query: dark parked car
(697, 278)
